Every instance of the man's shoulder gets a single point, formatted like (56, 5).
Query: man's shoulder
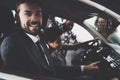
(14, 36)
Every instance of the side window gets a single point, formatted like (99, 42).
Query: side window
(79, 31)
(106, 27)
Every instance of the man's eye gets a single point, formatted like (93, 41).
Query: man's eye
(28, 14)
(39, 14)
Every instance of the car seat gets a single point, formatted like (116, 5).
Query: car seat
(7, 24)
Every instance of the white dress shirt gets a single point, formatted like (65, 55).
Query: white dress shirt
(34, 38)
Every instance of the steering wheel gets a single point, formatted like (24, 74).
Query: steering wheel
(94, 50)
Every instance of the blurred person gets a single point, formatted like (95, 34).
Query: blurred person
(101, 24)
(68, 37)
(114, 37)
(53, 37)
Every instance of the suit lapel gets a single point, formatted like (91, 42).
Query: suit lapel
(34, 53)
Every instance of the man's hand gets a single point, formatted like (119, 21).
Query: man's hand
(92, 66)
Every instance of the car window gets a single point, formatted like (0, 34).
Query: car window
(81, 33)
(104, 25)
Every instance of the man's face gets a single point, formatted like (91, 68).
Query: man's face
(30, 17)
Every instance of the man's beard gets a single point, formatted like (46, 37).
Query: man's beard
(31, 24)
(33, 33)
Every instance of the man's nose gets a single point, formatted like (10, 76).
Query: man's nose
(34, 18)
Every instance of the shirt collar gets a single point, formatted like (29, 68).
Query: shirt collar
(34, 38)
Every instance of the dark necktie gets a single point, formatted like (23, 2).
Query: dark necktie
(45, 54)
(42, 52)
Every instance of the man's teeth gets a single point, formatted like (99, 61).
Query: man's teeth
(33, 25)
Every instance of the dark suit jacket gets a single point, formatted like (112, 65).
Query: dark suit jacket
(20, 53)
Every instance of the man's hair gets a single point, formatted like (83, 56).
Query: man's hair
(37, 2)
(52, 34)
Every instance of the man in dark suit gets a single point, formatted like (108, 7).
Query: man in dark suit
(19, 50)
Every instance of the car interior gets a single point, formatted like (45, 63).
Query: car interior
(84, 16)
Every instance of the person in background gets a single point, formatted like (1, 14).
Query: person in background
(101, 24)
(53, 37)
(114, 37)
(68, 37)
